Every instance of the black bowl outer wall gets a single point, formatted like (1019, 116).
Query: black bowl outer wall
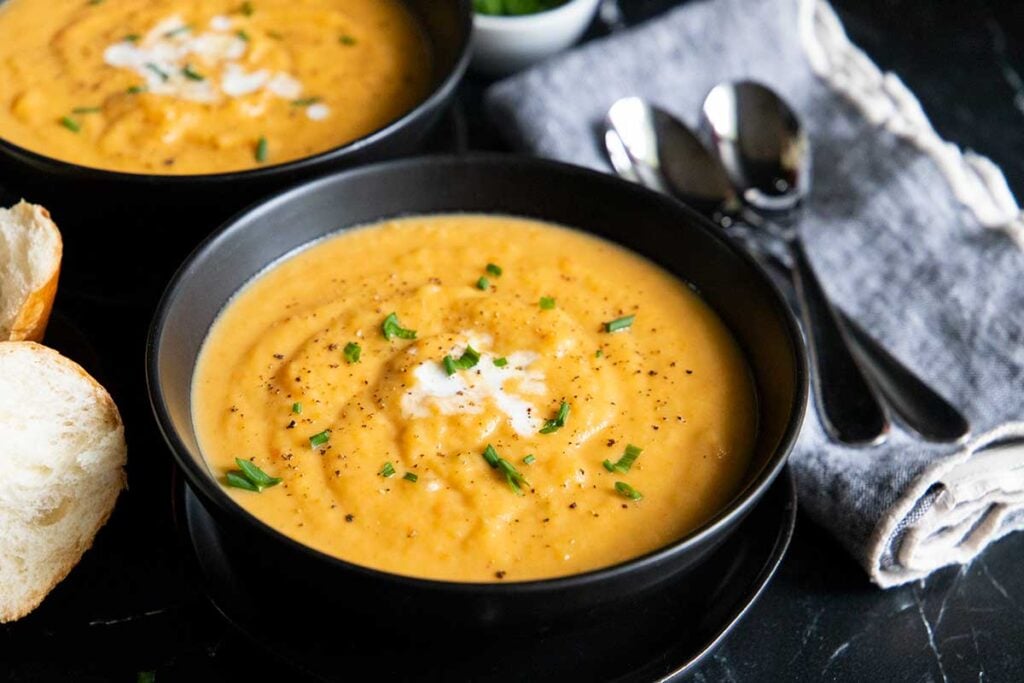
(656, 227)
(107, 215)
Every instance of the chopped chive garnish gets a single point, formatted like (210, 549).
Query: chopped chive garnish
(529, 460)
(305, 101)
(86, 110)
(158, 71)
(410, 476)
(392, 328)
(628, 491)
(136, 89)
(70, 124)
(491, 456)
(469, 358)
(242, 35)
(131, 38)
(191, 74)
(483, 283)
(95, 2)
(352, 352)
(246, 9)
(387, 471)
(558, 422)
(320, 439)
(178, 31)
(250, 477)
(261, 150)
(626, 461)
(512, 476)
(347, 40)
(619, 323)
(276, 35)
(297, 408)
(598, 353)
(547, 303)
(494, 269)
(500, 362)
(237, 480)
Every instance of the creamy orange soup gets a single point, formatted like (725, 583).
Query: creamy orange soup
(203, 86)
(381, 444)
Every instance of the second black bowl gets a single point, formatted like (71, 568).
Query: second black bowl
(322, 587)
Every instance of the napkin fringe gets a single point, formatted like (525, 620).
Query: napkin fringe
(885, 534)
(885, 101)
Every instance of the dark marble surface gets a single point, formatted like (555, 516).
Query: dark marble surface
(131, 605)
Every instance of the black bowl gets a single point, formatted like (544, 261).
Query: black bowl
(113, 219)
(323, 588)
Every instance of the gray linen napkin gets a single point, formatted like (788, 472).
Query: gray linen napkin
(912, 237)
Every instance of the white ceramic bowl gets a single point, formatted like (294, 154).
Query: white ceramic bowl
(503, 45)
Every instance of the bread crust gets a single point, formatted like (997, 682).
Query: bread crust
(30, 322)
(71, 556)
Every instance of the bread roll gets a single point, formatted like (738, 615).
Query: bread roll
(30, 255)
(62, 451)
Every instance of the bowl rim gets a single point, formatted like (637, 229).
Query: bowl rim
(210, 492)
(523, 21)
(437, 95)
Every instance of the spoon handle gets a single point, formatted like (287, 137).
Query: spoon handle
(919, 407)
(850, 411)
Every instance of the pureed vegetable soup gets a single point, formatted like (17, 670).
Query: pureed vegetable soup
(474, 398)
(186, 87)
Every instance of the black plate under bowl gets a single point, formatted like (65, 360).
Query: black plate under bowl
(654, 640)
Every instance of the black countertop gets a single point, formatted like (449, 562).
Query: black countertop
(131, 606)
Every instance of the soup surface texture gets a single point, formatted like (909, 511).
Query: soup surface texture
(384, 459)
(195, 87)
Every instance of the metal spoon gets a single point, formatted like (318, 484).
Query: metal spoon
(649, 146)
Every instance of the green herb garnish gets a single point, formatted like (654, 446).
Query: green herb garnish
(514, 479)
(529, 460)
(178, 31)
(494, 270)
(158, 71)
(250, 477)
(87, 110)
(261, 150)
(483, 283)
(347, 40)
(352, 352)
(626, 461)
(491, 456)
(242, 35)
(305, 101)
(276, 35)
(246, 9)
(558, 422)
(387, 471)
(547, 303)
(132, 38)
(410, 476)
(191, 74)
(515, 7)
(469, 358)
(297, 408)
(628, 491)
(392, 328)
(318, 440)
(500, 362)
(136, 89)
(619, 323)
(598, 353)
(70, 124)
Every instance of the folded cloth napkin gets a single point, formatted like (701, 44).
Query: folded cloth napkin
(923, 244)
